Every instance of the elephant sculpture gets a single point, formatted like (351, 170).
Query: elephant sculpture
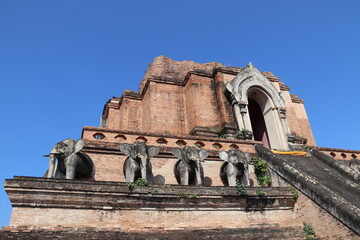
(137, 164)
(188, 170)
(68, 161)
(235, 167)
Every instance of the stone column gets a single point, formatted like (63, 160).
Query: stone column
(245, 116)
(237, 113)
(241, 114)
(284, 123)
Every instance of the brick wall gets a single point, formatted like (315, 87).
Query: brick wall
(149, 219)
(183, 234)
(325, 225)
(48, 203)
(177, 102)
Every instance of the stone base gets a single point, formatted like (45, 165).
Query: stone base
(48, 203)
(263, 232)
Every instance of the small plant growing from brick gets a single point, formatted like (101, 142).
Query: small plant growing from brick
(261, 172)
(141, 182)
(183, 195)
(305, 148)
(309, 232)
(264, 181)
(223, 135)
(240, 188)
(187, 195)
(260, 192)
(295, 194)
(130, 186)
(244, 134)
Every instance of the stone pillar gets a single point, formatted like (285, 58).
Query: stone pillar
(245, 116)
(241, 114)
(284, 123)
(237, 112)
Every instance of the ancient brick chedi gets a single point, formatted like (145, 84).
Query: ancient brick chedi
(189, 98)
(200, 151)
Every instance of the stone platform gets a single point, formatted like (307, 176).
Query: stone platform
(255, 233)
(52, 203)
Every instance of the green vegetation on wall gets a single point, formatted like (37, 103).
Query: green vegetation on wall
(309, 232)
(261, 172)
(240, 188)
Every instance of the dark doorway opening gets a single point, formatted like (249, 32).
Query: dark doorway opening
(258, 123)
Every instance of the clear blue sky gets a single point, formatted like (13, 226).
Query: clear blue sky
(60, 61)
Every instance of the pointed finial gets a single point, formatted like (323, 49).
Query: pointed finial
(249, 65)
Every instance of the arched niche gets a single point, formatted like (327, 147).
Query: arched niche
(251, 84)
(264, 119)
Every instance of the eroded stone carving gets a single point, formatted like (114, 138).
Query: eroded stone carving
(138, 164)
(188, 170)
(236, 167)
(71, 162)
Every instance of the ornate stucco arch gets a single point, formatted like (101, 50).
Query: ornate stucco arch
(250, 82)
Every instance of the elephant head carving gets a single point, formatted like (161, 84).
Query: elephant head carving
(235, 167)
(71, 162)
(138, 165)
(188, 170)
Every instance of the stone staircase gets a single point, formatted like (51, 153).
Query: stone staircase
(322, 180)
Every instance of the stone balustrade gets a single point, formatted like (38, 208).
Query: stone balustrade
(207, 143)
(166, 139)
(340, 154)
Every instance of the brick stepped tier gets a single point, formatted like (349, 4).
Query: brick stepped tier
(258, 233)
(324, 182)
(50, 204)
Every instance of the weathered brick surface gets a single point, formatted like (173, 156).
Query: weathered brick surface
(224, 104)
(203, 101)
(174, 71)
(325, 225)
(166, 115)
(148, 219)
(176, 97)
(34, 218)
(44, 203)
(109, 167)
(256, 233)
